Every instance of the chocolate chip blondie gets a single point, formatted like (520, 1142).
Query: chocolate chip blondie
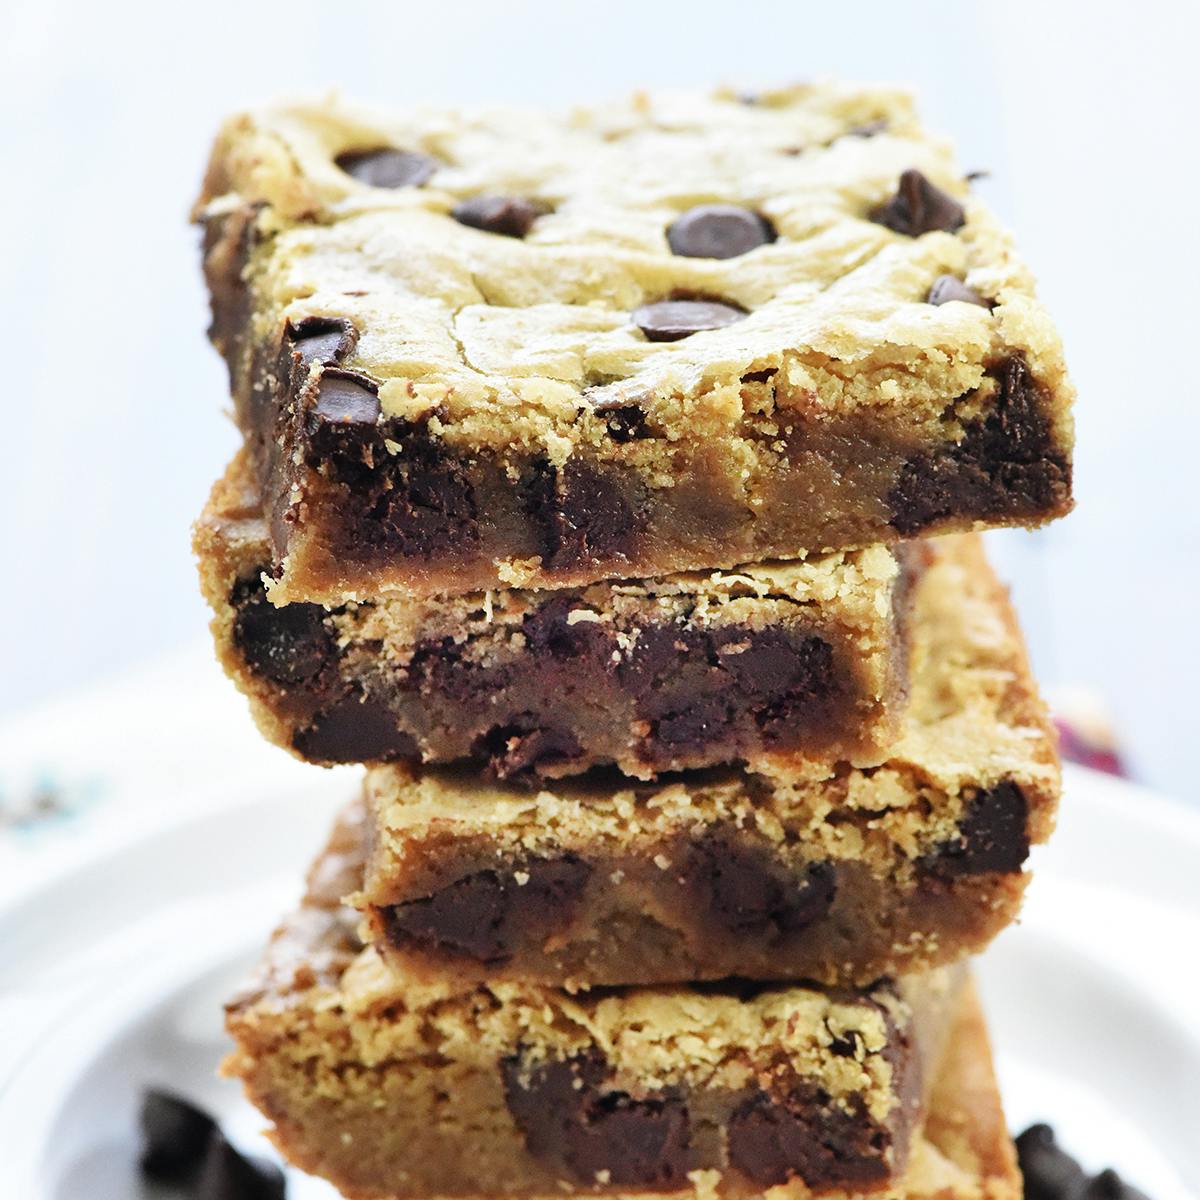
(390, 1087)
(792, 871)
(493, 348)
(651, 675)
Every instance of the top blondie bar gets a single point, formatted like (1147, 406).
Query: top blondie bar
(506, 348)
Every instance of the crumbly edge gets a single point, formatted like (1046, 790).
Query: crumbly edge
(974, 720)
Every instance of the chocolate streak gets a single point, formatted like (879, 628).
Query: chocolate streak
(575, 1119)
(691, 693)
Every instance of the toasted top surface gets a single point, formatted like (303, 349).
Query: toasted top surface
(506, 338)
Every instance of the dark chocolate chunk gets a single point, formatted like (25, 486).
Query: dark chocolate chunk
(1004, 463)
(718, 231)
(698, 685)
(175, 1136)
(344, 398)
(287, 645)
(671, 320)
(919, 207)
(519, 751)
(624, 422)
(796, 1130)
(575, 1123)
(324, 340)
(1108, 1185)
(583, 512)
(746, 891)
(949, 287)
(486, 915)
(992, 835)
(229, 1175)
(1050, 1172)
(388, 168)
(512, 216)
(355, 729)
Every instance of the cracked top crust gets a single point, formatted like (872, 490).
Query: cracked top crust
(530, 341)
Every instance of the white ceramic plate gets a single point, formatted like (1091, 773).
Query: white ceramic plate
(112, 977)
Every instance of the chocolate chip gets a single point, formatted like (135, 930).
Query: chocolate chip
(718, 231)
(1050, 1172)
(919, 207)
(671, 320)
(287, 645)
(1004, 464)
(797, 1131)
(992, 835)
(487, 915)
(520, 751)
(624, 422)
(355, 729)
(325, 340)
(1108, 1185)
(388, 168)
(949, 287)
(228, 1175)
(175, 1136)
(583, 512)
(512, 216)
(576, 1123)
(745, 890)
(344, 398)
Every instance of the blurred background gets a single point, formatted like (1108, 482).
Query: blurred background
(1084, 115)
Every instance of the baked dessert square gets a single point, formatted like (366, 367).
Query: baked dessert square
(792, 871)
(691, 670)
(391, 1088)
(497, 348)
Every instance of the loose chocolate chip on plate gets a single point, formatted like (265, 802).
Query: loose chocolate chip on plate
(671, 320)
(949, 287)
(1050, 1172)
(388, 168)
(230, 1175)
(175, 1136)
(512, 216)
(919, 207)
(345, 399)
(718, 231)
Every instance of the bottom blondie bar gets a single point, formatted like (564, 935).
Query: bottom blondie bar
(391, 1089)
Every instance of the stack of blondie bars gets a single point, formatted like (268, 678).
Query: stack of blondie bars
(590, 474)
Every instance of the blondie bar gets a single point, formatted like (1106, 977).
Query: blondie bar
(501, 348)
(793, 871)
(390, 1087)
(652, 675)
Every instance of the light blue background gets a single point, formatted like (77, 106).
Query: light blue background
(112, 401)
